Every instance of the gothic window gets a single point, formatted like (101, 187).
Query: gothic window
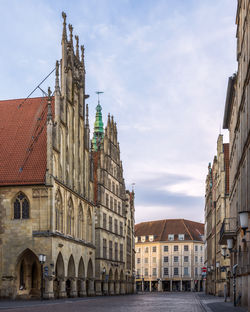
(21, 207)
(80, 222)
(59, 212)
(70, 218)
(89, 227)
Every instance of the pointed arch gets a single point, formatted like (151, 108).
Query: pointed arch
(81, 269)
(80, 223)
(71, 267)
(60, 271)
(21, 206)
(90, 272)
(59, 211)
(116, 275)
(70, 217)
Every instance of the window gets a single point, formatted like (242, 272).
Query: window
(195, 248)
(185, 258)
(171, 237)
(176, 248)
(165, 259)
(110, 250)
(196, 271)
(119, 207)
(201, 248)
(70, 218)
(121, 252)
(146, 271)
(154, 249)
(186, 271)
(80, 222)
(113, 187)
(165, 248)
(185, 247)
(201, 259)
(110, 224)
(181, 236)
(154, 259)
(116, 251)
(146, 260)
(196, 259)
(107, 200)
(138, 260)
(115, 205)
(104, 243)
(176, 271)
(151, 238)
(121, 228)
(59, 212)
(111, 202)
(154, 272)
(165, 271)
(104, 221)
(116, 226)
(138, 272)
(176, 258)
(143, 239)
(146, 250)
(21, 207)
(138, 250)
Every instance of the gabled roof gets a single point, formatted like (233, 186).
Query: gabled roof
(23, 141)
(161, 228)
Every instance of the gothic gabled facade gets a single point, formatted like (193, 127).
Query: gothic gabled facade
(113, 273)
(46, 188)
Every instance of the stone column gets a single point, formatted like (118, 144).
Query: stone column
(150, 286)
(82, 290)
(98, 288)
(91, 290)
(73, 291)
(181, 285)
(111, 287)
(48, 293)
(171, 285)
(122, 288)
(62, 289)
(117, 288)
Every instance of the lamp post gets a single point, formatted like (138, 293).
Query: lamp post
(42, 259)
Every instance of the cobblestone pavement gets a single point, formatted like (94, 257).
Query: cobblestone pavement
(157, 302)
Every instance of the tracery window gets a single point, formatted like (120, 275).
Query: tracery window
(80, 222)
(70, 218)
(89, 226)
(59, 212)
(21, 207)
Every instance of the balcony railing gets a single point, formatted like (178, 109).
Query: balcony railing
(228, 230)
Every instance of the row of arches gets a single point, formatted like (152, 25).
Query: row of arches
(78, 221)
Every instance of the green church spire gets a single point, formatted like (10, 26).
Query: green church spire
(98, 126)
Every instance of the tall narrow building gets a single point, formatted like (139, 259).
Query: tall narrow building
(113, 275)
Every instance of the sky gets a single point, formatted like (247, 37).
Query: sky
(163, 66)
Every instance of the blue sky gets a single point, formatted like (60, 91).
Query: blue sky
(163, 66)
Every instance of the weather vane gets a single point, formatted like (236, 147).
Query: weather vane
(98, 93)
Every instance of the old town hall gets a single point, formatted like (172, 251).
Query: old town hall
(53, 195)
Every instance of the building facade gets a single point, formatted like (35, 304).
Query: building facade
(169, 255)
(113, 216)
(235, 229)
(52, 202)
(216, 210)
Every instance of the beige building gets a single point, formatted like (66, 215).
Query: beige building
(169, 255)
(235, 229)
(216, 210)
(114, 218)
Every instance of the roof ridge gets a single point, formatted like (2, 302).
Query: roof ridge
(187, 229)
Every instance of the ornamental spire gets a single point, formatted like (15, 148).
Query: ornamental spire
(98, 126)
(64, 35)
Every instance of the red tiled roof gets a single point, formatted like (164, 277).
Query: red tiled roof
(226, 161)
(161, 228)
(23, 141)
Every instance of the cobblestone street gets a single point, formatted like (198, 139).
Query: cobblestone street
(158, 302)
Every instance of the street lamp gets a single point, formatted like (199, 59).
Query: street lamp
(224, 251)
(244, 220)
(230, 244)
(42, 259)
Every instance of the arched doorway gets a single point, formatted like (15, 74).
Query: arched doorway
(59, 276)
(111, 283)
(90, 279)
(71, 282)
(28, 275)
(81, 289)
(122, 283)
(116, 283)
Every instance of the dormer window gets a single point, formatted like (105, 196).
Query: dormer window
(143, 239)
(171, 237)
(181, 236)
(151, 238)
